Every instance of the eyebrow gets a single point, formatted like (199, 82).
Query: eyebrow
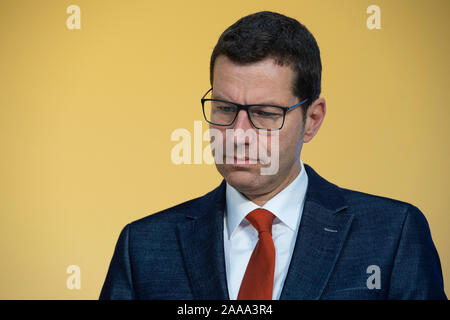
(269, 103)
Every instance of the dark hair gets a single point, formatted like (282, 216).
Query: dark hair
(269, 34)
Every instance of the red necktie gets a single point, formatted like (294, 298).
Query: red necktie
(257, 283)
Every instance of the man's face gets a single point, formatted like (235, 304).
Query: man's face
(263, 82)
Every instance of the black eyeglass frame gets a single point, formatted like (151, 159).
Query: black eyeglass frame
(246, 108)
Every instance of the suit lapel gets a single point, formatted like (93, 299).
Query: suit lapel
(323, 229)
(201, 241)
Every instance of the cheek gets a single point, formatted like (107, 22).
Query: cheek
(290, 144)
(218, 138)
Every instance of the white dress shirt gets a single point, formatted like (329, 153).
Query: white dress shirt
(240, 237)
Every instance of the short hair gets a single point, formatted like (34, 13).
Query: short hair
(269, 34)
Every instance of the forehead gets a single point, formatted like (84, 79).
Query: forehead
(254, 82)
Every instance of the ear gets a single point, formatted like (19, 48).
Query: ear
(314, 118)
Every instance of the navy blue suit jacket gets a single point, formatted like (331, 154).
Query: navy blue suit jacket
(178, 253)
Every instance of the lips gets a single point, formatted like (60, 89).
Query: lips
(240, 161)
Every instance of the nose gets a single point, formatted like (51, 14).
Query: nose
(245, 135)
(242, 121)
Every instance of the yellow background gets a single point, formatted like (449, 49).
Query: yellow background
(86, 118)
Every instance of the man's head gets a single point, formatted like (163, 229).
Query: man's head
(268, 58)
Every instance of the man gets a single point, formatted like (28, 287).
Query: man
(286, 235)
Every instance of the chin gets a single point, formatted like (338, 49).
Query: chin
(242, 179)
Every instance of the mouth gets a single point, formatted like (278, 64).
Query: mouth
(240, 161)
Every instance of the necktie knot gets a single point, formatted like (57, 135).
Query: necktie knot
(261, 220)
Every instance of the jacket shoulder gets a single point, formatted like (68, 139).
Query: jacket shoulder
(177, 213)
(359, 198)
(387, 209)
(173, 214)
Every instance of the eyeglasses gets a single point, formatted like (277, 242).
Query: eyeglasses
(262, 116)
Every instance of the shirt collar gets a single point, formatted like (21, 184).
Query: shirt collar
(285, 205)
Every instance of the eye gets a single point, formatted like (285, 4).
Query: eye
(226, 108)
(265, 114)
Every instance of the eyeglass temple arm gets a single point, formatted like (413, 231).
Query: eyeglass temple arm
(206, 93)
(296, 105)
